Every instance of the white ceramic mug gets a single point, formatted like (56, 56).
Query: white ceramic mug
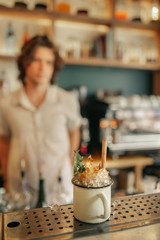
(92, 205)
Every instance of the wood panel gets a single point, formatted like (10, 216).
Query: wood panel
(111, 63)
(156, 83)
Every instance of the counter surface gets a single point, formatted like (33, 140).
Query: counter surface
(136, 216)
(150, 232)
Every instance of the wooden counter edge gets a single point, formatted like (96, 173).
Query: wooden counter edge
(125, 162)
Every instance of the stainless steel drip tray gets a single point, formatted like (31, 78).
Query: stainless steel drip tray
(126, 212)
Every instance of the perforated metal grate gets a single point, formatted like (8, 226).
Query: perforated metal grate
(40, 223)
(135, 208)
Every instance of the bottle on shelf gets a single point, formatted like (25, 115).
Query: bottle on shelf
(110, 46)
(10, 40)
(41, 202)
(22, 199)
(62, 6)
(121, 12)
(82, 7)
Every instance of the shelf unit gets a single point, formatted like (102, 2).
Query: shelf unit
(99, 63)
(111, 63)
(52, 17)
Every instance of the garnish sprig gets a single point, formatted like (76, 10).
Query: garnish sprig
(78, 163)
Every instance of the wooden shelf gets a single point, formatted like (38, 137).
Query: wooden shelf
(99, 62)
(40, 13)
(112, 22)
(7, 58)
(43, 14)
(111, 63)
(81, 19)
(25, 13)
(136, 25)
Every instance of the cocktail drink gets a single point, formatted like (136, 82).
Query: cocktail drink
(91, 190)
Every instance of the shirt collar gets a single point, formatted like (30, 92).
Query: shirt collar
(22, 99)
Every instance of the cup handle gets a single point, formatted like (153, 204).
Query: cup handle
(106, 204)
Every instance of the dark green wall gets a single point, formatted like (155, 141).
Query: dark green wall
(126, 80)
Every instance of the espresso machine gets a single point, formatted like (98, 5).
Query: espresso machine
(131, 125)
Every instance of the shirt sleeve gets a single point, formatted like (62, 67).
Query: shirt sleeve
(74, 117)
(4, 128)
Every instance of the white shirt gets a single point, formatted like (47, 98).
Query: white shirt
(40, 137)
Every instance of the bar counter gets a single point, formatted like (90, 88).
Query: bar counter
(132, 217)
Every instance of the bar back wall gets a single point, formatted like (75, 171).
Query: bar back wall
(127, 80)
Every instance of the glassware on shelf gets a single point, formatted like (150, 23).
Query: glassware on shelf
(83, 7)
(79, 7)
(155, 11)
(139, 47)
(135, 11)
(121, 11)
(134, 52)
(146, 12)
(62, 6)
(9, 3)
(40, 4)
(86, 49)
(73, 7)
(151, 51)
(72, 48)
(119, 50)
(99, 9)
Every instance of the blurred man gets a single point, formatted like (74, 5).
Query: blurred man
(39, 123)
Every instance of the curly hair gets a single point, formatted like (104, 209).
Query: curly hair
(27, 55)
